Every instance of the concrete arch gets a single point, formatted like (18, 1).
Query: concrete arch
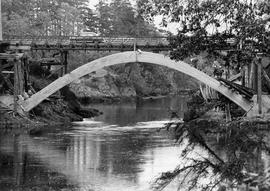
(131, 57)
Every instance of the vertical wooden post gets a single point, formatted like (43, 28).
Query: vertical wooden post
(259, 85)
(255, 77)
(248, 74)
(135, 44)
(1, 29)
(243, 74)
(26, 74)
(65, 61)
(1, 77)
(20, 76)
(18, 81)
(62, 62)
(228, 112)
(251, 76)
(15, 91)
(43, 54)
(227, 73)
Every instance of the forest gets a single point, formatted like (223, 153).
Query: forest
(69, 17)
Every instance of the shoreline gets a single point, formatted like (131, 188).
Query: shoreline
(63, 111)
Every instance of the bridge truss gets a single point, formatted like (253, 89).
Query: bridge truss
(88, 43)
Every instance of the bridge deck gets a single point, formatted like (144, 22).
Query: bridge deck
(88, 43)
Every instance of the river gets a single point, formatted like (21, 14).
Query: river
(122, 149)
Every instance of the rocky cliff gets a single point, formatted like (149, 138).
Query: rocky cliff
(132, 80)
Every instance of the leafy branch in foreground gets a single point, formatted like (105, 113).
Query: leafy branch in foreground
(239, 142)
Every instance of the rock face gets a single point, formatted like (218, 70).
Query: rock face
(132, 80)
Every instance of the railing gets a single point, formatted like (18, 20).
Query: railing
(88, 43)
(118, 40)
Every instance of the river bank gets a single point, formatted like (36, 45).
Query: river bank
(50, 112)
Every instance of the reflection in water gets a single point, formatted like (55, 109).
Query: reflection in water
(94, 155)
(106, 160)
(146, 110)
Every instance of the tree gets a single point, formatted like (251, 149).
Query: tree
(105, 23)
(42, 17)
(208, 24)
(90, 19)
(124, 23)
(120, 18)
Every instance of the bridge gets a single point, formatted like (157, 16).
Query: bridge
(139, 57)
(131, 53)
(87, 43)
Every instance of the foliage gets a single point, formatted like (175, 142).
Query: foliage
(119, 18)
(210, 24)
(240, 141)
(69, 17)
(42, 17)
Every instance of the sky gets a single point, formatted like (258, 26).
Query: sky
(92, 3)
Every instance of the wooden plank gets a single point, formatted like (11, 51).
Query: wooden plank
(7, 72)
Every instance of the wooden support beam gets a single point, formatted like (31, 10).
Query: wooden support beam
(228, 112)
(246, 67)
(15, 91)
(62, 62)
(251, 76)
(1, 76)
(1, 28)
(265, 75)
(7, 65)
(25, 63)
(255, 77)
(259, 85)
(65, 61)
(18, 82)
(243, 75)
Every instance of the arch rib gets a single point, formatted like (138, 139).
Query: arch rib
(130, 57)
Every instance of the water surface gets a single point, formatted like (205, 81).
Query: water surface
(121, 150)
